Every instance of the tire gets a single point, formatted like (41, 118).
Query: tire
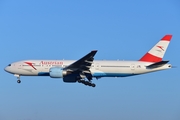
(93, 85)
(18, 81)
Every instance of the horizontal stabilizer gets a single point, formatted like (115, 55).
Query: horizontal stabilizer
(157, 64)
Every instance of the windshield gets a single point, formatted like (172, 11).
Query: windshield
(9, 65)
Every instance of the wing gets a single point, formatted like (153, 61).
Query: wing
(82, 66)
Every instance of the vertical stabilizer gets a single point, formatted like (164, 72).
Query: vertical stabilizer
(156, 54)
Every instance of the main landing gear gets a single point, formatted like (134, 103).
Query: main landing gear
(18, 77)
(87, 83)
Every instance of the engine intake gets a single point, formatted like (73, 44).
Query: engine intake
(57, 72)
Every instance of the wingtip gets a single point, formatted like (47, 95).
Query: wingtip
(167, 37)
(94, 51)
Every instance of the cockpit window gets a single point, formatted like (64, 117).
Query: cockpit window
(9, 65)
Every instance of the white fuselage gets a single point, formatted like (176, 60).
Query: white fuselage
(99, 68)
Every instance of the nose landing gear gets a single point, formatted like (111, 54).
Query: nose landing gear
(18, 81)
(18, 77)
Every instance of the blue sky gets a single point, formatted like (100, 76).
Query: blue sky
(125, 30)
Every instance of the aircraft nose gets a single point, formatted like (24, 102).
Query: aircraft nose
(6, 69)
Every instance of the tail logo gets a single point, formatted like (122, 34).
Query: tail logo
(161, 47)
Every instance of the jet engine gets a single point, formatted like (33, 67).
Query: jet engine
(57, 72)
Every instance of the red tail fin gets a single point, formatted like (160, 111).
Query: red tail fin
(157, 52)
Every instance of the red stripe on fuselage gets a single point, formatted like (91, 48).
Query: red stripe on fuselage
(150, 58)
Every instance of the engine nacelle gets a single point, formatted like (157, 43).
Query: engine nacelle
(57, 72)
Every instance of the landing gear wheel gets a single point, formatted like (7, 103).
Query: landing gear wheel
(86, 83)
(18, 81)
(93, 85)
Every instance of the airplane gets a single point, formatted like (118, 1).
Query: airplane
(86, 68)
